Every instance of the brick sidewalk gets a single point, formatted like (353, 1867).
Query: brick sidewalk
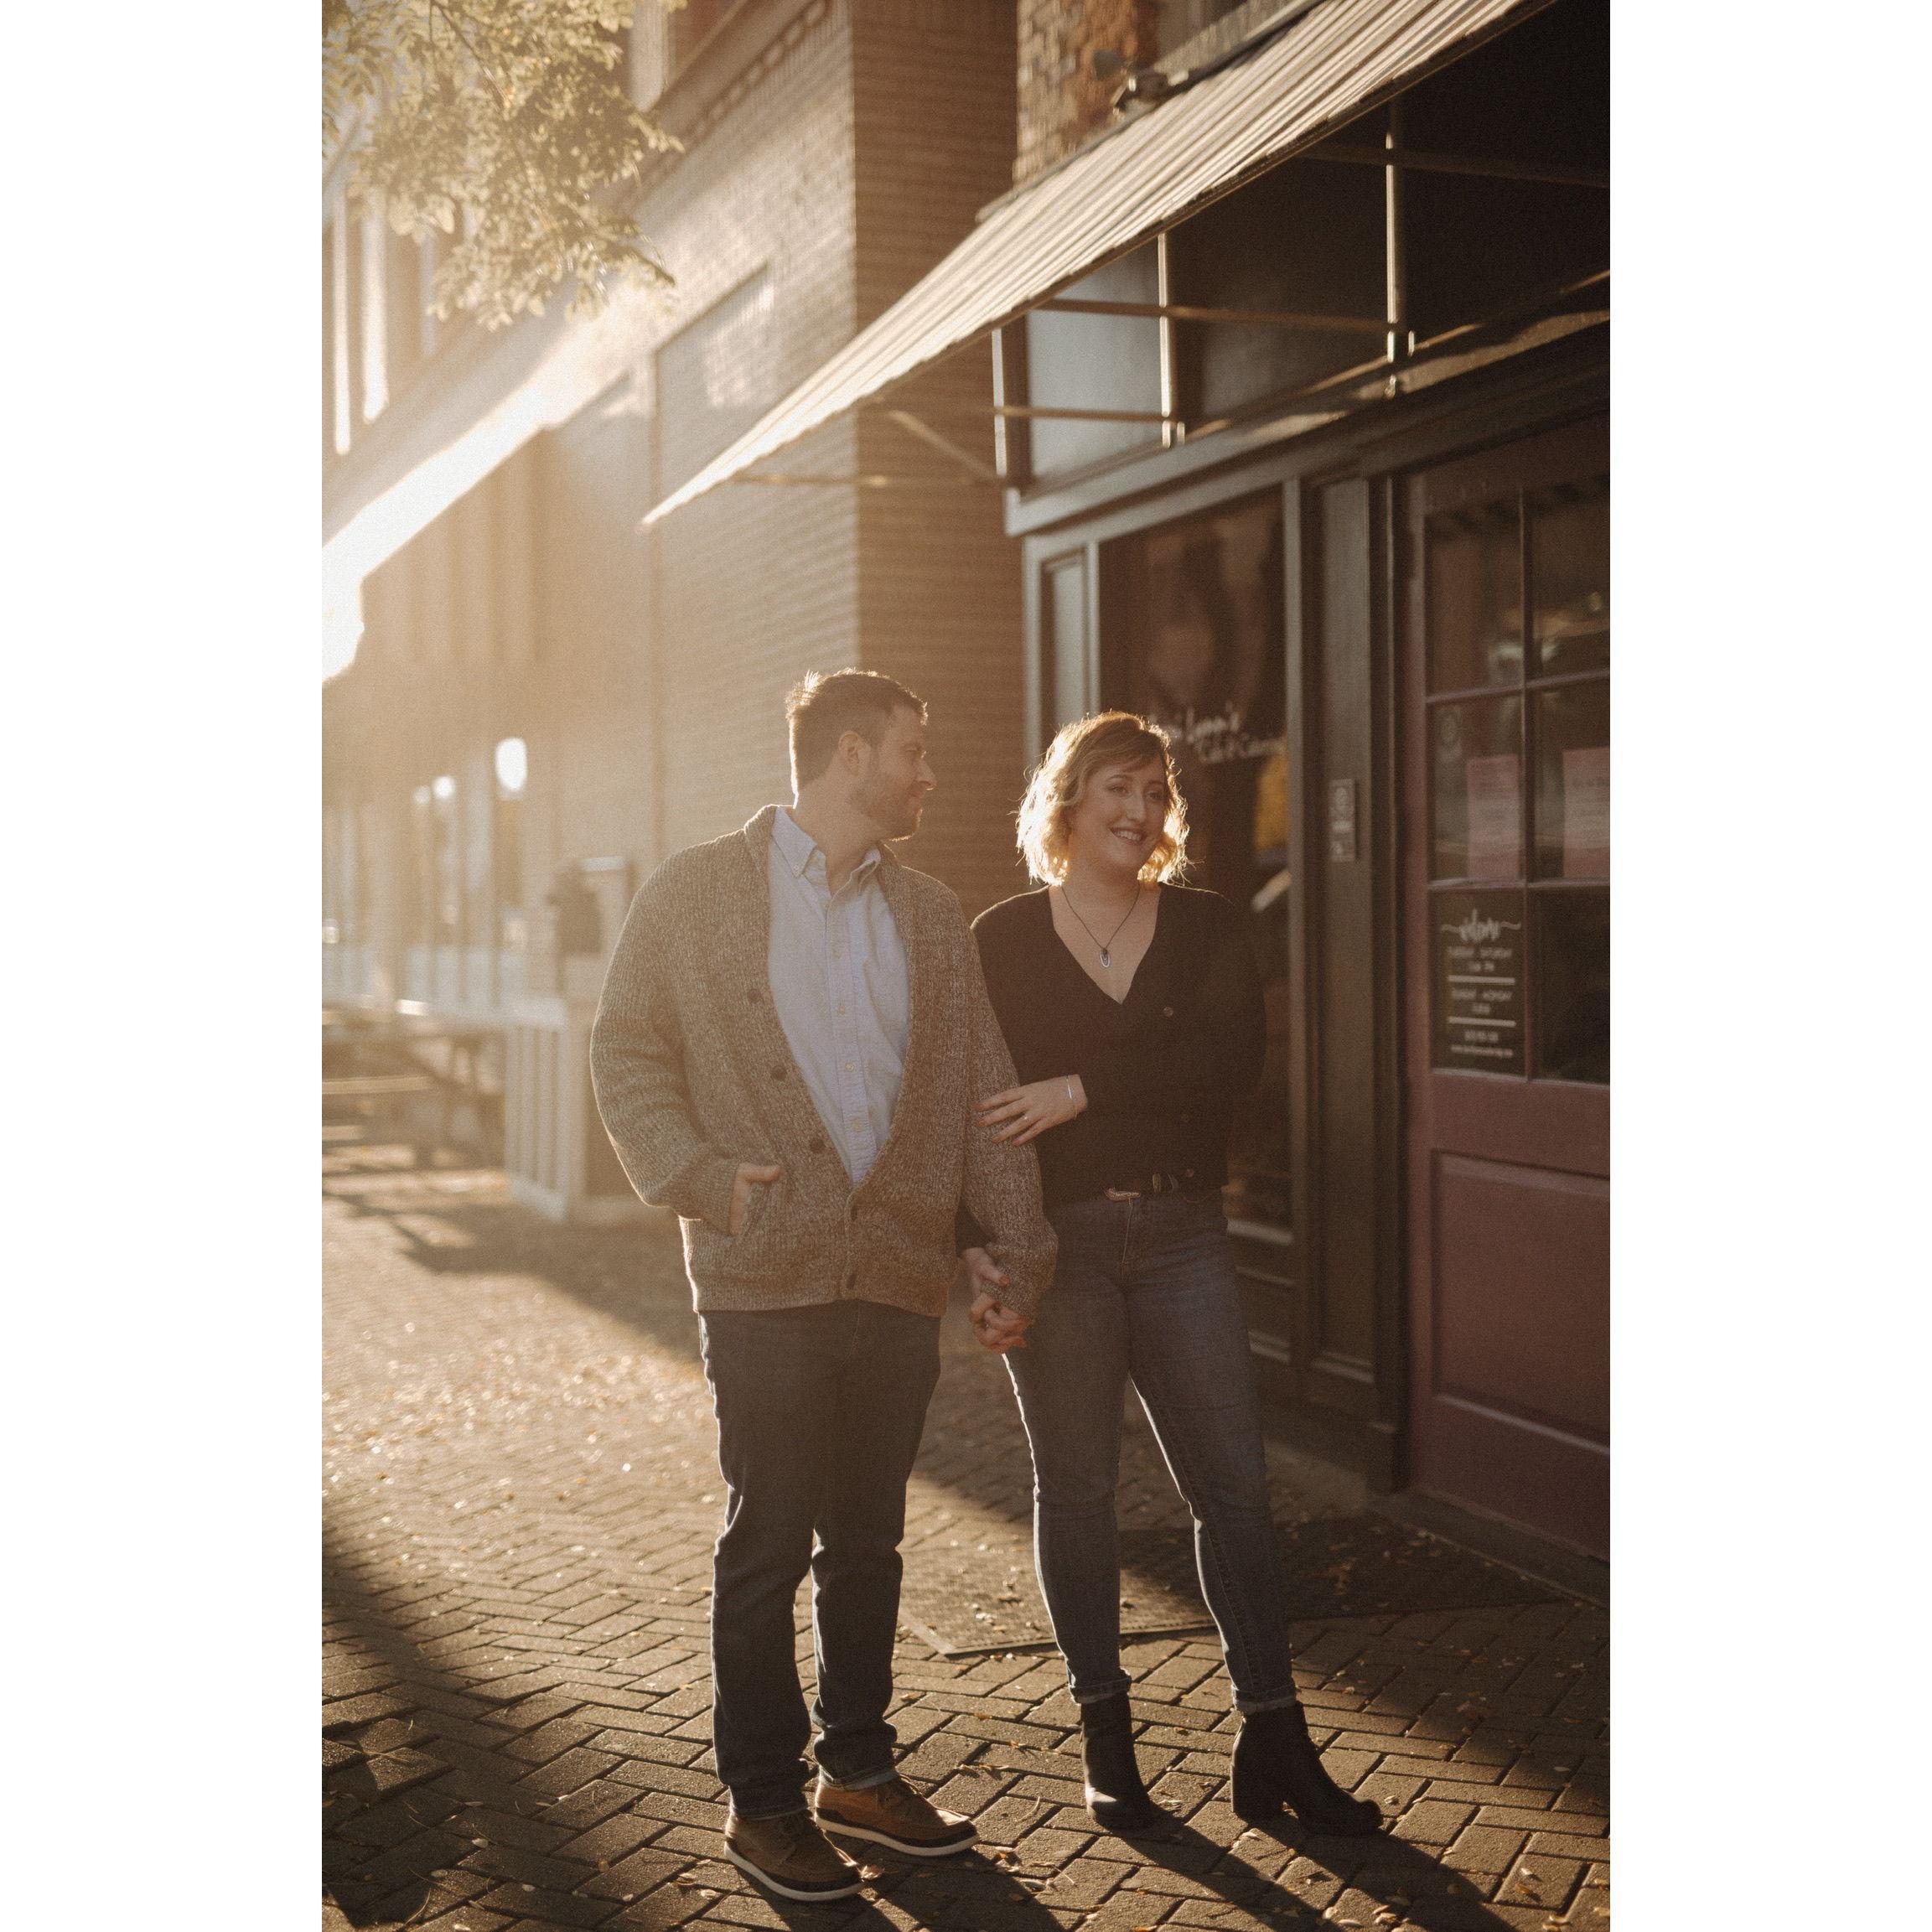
(520, 1496)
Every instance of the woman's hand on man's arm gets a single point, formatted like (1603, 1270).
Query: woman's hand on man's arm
(1019, 1113)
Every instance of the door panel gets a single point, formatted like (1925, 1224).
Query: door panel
(1506, 888)
(1522, 1292)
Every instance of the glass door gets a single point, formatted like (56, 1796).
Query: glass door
(1507, 829)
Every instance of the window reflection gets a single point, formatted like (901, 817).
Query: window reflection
(1196, 641)
(1570, 573)
(1573, 781)
(1475, 597)
(1573, 979)
(1478, 817)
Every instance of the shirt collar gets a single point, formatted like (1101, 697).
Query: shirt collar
(799, 849)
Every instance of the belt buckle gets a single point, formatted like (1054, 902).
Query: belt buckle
(1123, 1194)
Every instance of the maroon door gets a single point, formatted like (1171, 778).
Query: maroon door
(1506, 695)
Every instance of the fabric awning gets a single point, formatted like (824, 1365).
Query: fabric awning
(1337, 60)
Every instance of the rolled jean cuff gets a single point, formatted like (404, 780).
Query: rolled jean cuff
(1120, 1690)
(1253, 1706)
(862, 1784)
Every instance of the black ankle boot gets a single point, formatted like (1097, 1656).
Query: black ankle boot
(1116, 1796)
(1276, 1763)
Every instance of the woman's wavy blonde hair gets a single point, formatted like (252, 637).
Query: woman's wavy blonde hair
(1059, 782)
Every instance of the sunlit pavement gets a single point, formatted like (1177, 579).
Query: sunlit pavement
(520, 1496)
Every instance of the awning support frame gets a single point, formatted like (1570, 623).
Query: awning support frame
(1196, 311)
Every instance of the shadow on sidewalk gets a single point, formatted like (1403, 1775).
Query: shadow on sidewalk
(434, 1806)
(1388, 1873)
(406, 1798)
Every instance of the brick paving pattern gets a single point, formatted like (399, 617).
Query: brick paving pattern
(520, 1496)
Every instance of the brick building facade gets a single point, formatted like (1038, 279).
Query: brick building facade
(545, 701)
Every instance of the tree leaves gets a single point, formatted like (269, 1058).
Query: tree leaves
(507, 124)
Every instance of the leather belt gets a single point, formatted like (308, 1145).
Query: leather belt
(1160, 1185)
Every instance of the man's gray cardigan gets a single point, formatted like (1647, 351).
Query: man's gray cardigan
(693, 1075)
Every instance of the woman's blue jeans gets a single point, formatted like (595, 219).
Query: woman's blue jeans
(1145, 1291)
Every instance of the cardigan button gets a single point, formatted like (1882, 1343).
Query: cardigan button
(1168, 1011)
(752, 994)
(850, 1283)
(816, 1144)
(778, 1073)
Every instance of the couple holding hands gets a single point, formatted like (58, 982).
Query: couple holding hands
(839, 1087)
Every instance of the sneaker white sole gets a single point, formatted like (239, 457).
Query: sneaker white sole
(784, 1891)
(827, 1822)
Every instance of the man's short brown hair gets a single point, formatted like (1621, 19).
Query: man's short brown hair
(823, 706)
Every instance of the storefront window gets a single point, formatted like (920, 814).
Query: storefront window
(1192, 637)
(1475, 597)
(1520, 818)
(1569, 537)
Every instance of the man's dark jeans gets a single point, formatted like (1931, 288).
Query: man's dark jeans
(819, 1415)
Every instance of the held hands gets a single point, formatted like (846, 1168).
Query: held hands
(996, 1328)
(1020, 1113)
(749, 1175)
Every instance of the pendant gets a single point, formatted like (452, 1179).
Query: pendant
(1106, 957)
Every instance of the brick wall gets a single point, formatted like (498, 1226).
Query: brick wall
(757, 585)
(1060, 101)
(939, 580)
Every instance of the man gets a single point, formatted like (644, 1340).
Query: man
(791, 1039)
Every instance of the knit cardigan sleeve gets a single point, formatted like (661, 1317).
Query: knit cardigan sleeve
(637, 1069)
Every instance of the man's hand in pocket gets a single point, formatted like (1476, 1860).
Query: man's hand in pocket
(749, 1175)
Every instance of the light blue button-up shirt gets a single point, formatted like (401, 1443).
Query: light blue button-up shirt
(839, 983)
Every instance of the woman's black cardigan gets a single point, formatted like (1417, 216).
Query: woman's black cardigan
(1163, 1070)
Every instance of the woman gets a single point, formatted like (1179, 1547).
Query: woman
(1133, 1012)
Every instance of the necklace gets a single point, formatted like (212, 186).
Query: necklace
(1106, 956)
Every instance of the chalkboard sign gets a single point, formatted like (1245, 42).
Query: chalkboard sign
(1478, 981)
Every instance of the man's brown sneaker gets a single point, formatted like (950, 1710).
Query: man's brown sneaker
(892, 1813)
(791, 1856)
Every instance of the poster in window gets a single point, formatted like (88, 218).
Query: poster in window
(1495, 800)
(1479, 989)
(1586, 811)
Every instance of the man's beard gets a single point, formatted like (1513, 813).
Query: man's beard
(895, 811)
